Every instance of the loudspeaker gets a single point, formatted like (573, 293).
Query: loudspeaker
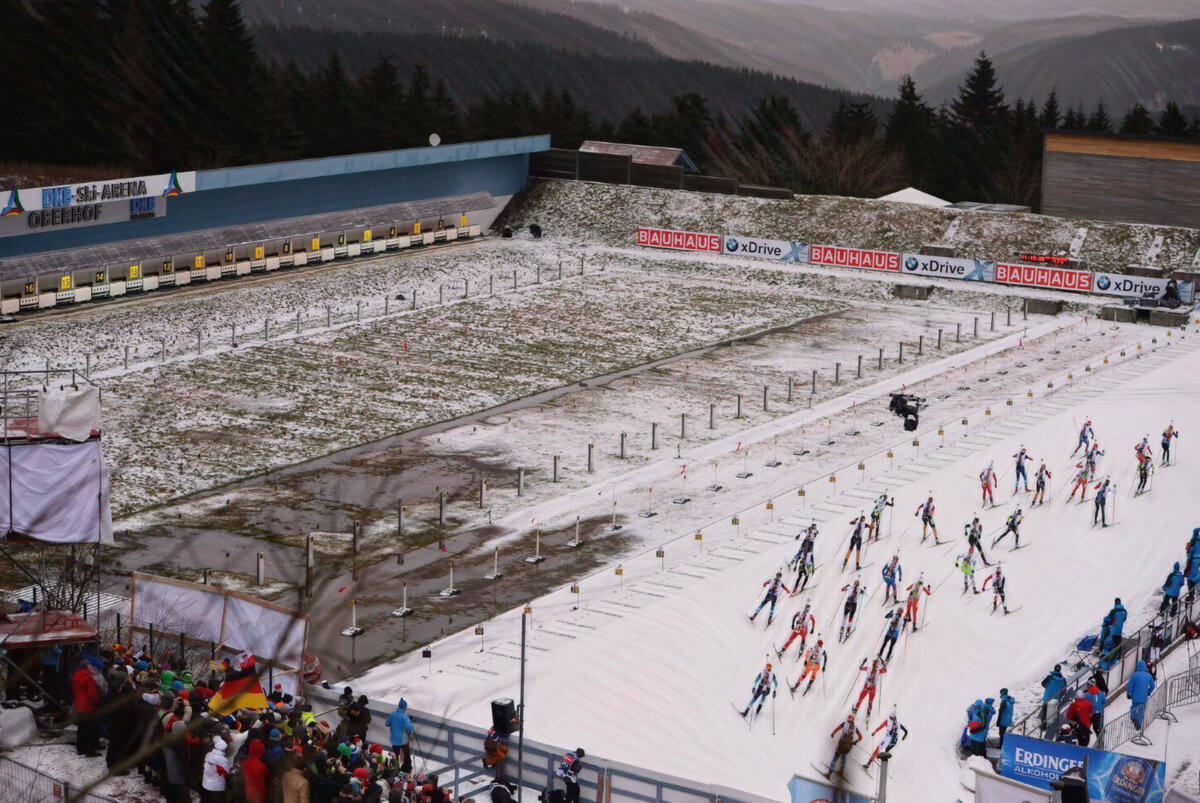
(504, 717)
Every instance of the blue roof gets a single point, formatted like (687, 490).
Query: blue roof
(367, 162)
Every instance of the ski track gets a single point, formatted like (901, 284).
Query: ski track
(688, 651)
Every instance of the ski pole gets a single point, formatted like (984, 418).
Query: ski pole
(773, 711)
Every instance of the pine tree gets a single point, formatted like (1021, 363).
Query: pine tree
(1050, 115)
(236, 80)
(910, 130)
(1137, 121)
(851, 122)
(1171, 122)
(1074, 119)
(378, 92)
(1099, 120)
(980, 105)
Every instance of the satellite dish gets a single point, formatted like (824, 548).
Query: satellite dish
(435, 140)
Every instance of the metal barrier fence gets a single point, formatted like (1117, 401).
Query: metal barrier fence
(22, 784)
(1121, 663)
(1177, 690)
(454, 751)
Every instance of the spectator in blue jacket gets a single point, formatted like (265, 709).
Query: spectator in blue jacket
(1140, 687)
(1098, 700)
(1053, 683)
(979, 718)
(1191, 573)
(401, 728)
(1113, 625)
(1171, 589)
(1004, 715)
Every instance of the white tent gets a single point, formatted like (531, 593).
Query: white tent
(911, 195)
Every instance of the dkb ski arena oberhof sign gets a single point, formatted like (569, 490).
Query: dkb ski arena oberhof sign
(39, 209)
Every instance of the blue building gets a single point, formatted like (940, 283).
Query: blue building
(73, 243)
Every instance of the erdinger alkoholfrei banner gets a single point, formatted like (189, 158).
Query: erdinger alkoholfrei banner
(1111, 777)
(679, 240)
(780, 250)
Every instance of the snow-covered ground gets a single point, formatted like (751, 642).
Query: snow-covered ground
(668, 641)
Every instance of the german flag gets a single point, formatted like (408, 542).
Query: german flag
(240, 689)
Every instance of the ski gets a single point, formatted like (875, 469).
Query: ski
(1019, 546)
(827, 772)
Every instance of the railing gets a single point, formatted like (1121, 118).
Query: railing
(1177, 690)
(454, 751)
(22, 784)
(1122, 663)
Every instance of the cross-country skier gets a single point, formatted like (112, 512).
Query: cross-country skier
(998, 582)
(804, 573)
(803, 623)
(894, 623)
(1039, 487)
(1021, 457)
(814, 661)
(1168, 433)
(1092, 456)
(870, 684)
(1144, 470)
(966, 565)
(1102, 491)
(890, 737)
(764, 684)
(848, 735)
(974, 532)
(1142, 450)
(1085, 436)
(1011, 525)
(808, 533)
(914, 599)
(925, 511)
(987, 482)
(856, 540)
(877, 516)
(1081, 482)
(803, 559)
(892, 574)
(773, 587)
(855, 590)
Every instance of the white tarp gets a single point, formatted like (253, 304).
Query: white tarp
(991, 788)
(236, 622)
(911, 195)
(177, 607)
(70, 412)
(56, 492)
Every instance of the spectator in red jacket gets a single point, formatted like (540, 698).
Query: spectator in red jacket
(87, 698)
(256, 774)
(1079, 714)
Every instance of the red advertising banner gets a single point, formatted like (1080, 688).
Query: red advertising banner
(854, 258)
(679, 240)
(1079, 281)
